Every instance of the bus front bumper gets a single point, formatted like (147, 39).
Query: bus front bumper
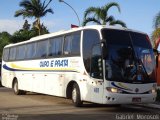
(117, 98)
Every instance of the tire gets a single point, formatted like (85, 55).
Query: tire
(16, 89)
(76, 98)
(0, 84)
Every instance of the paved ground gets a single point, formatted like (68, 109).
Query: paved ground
(43, 107)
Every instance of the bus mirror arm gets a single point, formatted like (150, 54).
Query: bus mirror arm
(104, 49)
(156, 56)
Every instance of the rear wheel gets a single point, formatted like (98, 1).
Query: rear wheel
(16, 89)
(0, 84)
(76, 98)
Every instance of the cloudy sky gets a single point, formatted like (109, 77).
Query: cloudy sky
(137, 14)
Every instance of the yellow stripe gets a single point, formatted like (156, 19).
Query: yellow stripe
(25, 68)
(123, 86)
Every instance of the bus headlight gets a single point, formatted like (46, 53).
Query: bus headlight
(153, 90)
(113, 90)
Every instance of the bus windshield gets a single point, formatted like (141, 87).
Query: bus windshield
(130, 57)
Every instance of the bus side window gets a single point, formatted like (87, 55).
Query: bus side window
(68, 45)
(76, 43)
(72, 44)
(6, 54)
(41, 49)
(12, 53)
(20, 52)
(55, 46)
(30, 51)
(96, 62)
(90, 39)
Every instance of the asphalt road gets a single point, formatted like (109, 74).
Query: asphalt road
(43, 107)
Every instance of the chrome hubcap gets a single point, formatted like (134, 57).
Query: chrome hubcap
(74, 95)
(15, 87)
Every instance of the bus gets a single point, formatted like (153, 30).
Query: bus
(97, 64)
(0, 75)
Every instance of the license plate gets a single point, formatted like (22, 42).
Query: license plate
(136, 100)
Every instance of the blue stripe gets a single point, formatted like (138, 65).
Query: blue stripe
(119, 86)
(12, 69)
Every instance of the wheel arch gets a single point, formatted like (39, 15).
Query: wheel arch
(69, 89)
(14, 80)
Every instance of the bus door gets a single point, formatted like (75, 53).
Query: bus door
(96, 81)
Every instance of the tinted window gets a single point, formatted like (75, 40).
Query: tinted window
(55, 46)
(6, 54)
(30, 50)
(20, 52)
(116, 37)
(90, 39)
(130, 56)
(41, 49)
(76, 43)
(72, 44)
(140, 40)
(12, 53)
(96, 62)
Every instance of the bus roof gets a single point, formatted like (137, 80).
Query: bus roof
(62, 32)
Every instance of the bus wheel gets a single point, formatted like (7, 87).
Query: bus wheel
(16, 90)
(76, 99)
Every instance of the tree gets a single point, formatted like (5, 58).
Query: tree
(156, 32)
(100, 16)
(155, 37)
(27, 32)
(26, 25)
(34, 8)
(156, 21)
(4, 40)
(43, 28)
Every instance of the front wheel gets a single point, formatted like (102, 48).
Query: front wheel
(76, 98)
(16, 89)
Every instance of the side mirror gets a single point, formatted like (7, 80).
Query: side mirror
(156, 56)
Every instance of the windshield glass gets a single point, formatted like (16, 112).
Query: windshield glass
(129, 58)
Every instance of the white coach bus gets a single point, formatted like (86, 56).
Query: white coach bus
(98, 64)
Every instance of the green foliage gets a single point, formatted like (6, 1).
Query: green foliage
(23, 34)
(26, 25)
(155, 36)
(4, 40)
(156, 33)
(26, 32)
(100, 16)
(156, 21)
(34, 8)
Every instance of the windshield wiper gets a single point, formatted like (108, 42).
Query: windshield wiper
(137, 59)
(144, 69)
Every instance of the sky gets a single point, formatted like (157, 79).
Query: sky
(137, 14)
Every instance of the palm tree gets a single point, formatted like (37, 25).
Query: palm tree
(156, 32)
(34, 8)
(100, 16)
(156, 21)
